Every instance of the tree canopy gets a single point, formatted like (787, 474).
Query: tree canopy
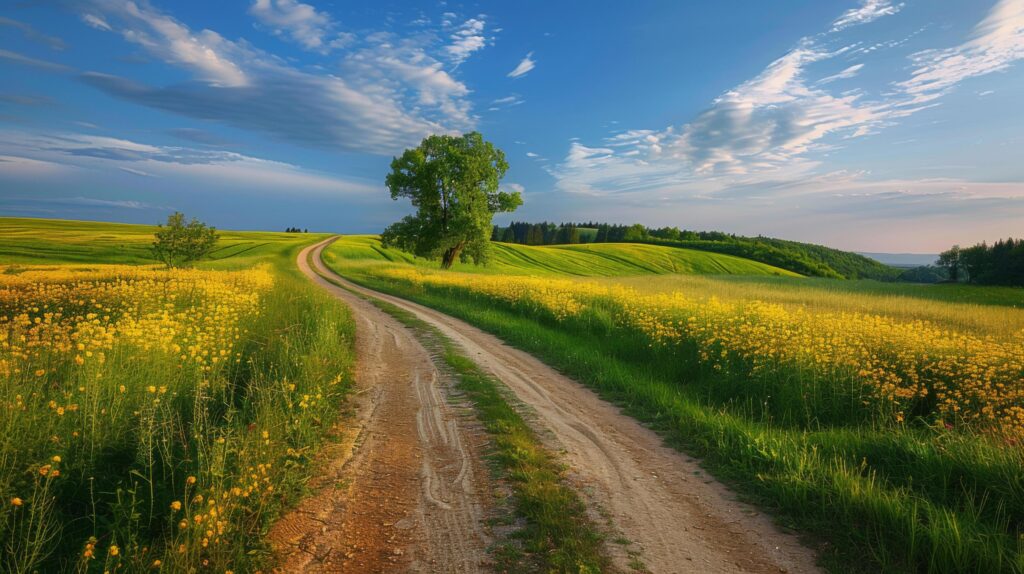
(452, 181)
(179, 243)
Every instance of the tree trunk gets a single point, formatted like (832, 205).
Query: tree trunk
(451, 255)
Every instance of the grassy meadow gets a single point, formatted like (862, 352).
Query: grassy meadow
(591, 260)
(157, 419)
(884, 420)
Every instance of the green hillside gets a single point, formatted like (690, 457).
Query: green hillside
(592, 260)
(27, 241)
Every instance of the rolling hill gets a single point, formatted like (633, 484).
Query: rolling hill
(28, 241)
(588, 260)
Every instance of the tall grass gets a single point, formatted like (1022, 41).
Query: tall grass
(906, 490)
(159, 419)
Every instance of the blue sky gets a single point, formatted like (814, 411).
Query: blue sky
(874, 125)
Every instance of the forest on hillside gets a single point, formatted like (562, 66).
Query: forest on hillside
(804, 258)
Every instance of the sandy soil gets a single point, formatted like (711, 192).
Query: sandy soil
(657, 498)
(404, 490)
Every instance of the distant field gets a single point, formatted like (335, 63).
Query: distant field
(28, 241)
(591, 260)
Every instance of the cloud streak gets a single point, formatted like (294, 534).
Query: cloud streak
(524, 67)
(868, 11)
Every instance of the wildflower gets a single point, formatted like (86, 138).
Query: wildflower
(114, 550)
(15, 501)
(176, 505)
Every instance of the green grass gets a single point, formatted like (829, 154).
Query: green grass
(557, 535)
(592, 260)
(877, 496)
(125, 457)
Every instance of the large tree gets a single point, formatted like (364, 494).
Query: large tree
(452, 182)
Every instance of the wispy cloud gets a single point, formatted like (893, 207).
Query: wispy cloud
(304, 24)
(95, 21)
(506, 102)
(466, 39)
(842, 75)
(25, 100)
(31, 33)
(38, 155)
(524, 66)
(996, 42)
(390, 92)
(868, 11)
(23, 60)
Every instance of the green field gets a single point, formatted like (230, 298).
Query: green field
(877, 418)
(24, 240)
(596, 260)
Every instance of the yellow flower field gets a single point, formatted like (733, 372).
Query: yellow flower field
(899, 367)
(134, 404)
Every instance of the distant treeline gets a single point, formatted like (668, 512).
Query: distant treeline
(1001, 263)
(295, 230)
(803, 258)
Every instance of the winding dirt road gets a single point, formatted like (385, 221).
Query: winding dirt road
(661, 501)
(405, 490)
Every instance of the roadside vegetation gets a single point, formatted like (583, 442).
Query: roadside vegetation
(889, 429)
(157, 418)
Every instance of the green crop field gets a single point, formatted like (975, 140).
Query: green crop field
(597, 260)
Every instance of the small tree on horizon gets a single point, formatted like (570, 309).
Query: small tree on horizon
(179, 243)
(452, 182)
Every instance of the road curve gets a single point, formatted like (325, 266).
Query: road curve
(404, 491)
(657, 498)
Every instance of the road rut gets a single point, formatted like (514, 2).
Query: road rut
(404, 490)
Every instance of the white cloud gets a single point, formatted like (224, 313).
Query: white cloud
(843, 75)
(305, 25)
(96, 22)
(869, 11)
(524, 66)
(995, 44)
(206, 52)
(507, 102)
(466, 39)
(389, 94)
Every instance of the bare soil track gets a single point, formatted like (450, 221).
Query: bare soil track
(405, 491)
(654, 496)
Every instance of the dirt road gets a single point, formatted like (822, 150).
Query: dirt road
(404, 490)
(659, 499)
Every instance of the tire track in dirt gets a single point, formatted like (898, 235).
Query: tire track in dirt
(403, 491)
(659, 499)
